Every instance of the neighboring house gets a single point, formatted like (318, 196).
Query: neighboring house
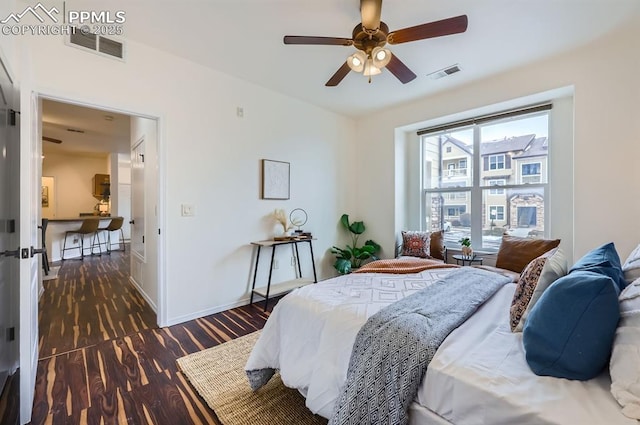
(509, 161)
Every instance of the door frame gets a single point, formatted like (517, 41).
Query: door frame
(162, 310)
(28, 93)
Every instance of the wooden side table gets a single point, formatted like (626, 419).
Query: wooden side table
(466, 260)
(286, 286)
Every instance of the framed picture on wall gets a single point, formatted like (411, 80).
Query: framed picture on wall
(45, 196)
(275, 179)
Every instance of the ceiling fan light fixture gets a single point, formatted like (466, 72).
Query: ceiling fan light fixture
(370, 69)
(357, 61)
(380, 57)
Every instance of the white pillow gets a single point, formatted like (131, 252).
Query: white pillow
(624, 365)
(631, 267)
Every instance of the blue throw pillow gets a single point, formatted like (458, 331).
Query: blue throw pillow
(604, 260)
(569, 332)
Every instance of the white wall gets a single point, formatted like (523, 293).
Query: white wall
(211, 159)
(73, 174)
(606, 138)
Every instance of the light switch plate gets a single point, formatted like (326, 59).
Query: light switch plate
(188, 210)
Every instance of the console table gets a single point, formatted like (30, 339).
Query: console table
(282, 287)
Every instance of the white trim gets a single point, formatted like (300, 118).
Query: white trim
(209, 311)
(161, 177)
(144, 294)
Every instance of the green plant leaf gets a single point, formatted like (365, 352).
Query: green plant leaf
(357, 227)
(373, 244)
(345, 221)
(343, 266)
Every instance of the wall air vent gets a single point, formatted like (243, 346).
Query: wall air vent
(99, 44)
(444, 72)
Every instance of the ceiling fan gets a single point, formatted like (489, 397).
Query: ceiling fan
(51, 139)
(370, 37)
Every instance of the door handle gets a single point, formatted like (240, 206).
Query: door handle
(35, 251)
(132, 222)
(15, 254)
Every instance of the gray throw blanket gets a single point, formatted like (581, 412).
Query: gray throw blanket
(393, 349)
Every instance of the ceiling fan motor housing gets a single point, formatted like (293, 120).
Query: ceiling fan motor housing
(365, 40)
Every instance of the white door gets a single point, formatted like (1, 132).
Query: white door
(30, 204)
(137, 200)
(9, 239)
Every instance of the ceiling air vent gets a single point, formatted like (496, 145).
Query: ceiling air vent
(444, 72)
(104, 46)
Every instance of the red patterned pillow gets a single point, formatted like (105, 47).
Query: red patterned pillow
(525, 288)
(416, 244)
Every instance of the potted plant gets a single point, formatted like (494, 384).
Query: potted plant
(353, 255)
(467, 251)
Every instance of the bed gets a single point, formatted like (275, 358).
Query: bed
(478, 375)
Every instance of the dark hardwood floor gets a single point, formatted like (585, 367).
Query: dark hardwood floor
(103, 359)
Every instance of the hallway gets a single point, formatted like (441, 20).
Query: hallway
(103, 359)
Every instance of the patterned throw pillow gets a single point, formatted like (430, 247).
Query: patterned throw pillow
(526, 285)
(554, 268)
(416, 244)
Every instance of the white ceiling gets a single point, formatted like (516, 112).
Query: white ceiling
(101, 131)
(244, 38)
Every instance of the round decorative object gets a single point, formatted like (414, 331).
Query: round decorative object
(298, 217)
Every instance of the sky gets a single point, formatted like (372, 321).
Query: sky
(537, 125)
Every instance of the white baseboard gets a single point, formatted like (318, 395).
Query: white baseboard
(207, 312)
(144, 294)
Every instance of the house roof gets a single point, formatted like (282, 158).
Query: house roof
(512, 144)
(539, 147)
(459, 143)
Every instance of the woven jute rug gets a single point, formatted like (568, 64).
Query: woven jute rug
(218, 375)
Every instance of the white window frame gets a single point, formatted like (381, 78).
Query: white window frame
(477, 187)
(497, 207)
(532, 178)
(498, 162)
(498, 182)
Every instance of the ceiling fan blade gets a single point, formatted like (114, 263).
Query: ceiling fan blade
(51, 139)
(447, 26)
(338, 76)
(400, 70)
(326, 41)
(370, 13)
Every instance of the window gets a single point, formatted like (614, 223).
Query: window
(530, 172)
(496, 162)
(448, 149)
(527, 216)
(510, 189)
(496, 212)
(498, 191)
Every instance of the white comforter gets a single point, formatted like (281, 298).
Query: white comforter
(311, 331)
(478, 376)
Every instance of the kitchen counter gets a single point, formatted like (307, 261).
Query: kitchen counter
(59, 226)
(69, 219)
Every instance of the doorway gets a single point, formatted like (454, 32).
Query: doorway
(85, 146)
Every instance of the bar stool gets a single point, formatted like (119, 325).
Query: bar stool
(114, 224)
(89, 227)
(45, 256)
